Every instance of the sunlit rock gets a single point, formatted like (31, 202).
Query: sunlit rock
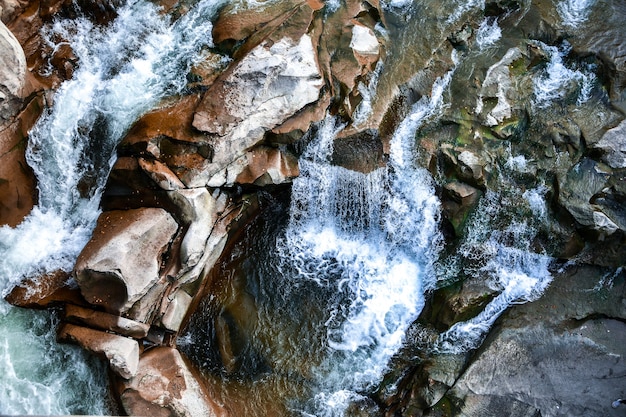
(270, 84)
(104, 321)
(176, 310)
(164, 386)
(261, 166)
(122, 260)
(613, 144)
(12, 74)
(499, 85)
(199, 209)
(121, 352)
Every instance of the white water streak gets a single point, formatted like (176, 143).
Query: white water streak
(556, 81)
(124, 70)
(574, 13)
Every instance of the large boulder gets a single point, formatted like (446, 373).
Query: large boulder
(12, 74)
(17, 183)
(562, 355)
(121, 352)
(271, 83)
(122, 261)
(165, 386)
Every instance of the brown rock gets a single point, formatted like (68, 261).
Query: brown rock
(122, 261)
(121, 352)
(105, 321)
(45, 291)
(18, 191)
(362, 151)
(165, 386)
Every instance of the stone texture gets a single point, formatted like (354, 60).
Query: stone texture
(165, 386)
(105, 321)
(613, 144)
(121, 352)
(284, 78)
(199, 210)
(45, 291)
(122, 260)
(499, 85)
(562, 355)
(12, 74)
(261, 166)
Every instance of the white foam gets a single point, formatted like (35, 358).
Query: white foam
(497, 246)
(556, 81)
(374, 238)
(488, 33)
(573, 13)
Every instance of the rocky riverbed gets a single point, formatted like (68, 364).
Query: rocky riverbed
(506, 117)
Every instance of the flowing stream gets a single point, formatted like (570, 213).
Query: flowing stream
(309, 315)
(124, 70)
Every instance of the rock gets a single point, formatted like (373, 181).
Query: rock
(45, 291)
(165, 386)
(12, 74)
(199, 209)
(261, 166)
(365, 45)
(499, 85)
(122, 261)
(284, 78)
(562, 355)
(17, 182)
(161, 174)
(121, 352)
(362, 151)
(105, 321)
(613, 145)
(176, 310)
(577, 189)
(471, 168)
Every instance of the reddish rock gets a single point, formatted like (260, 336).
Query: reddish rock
(18, 191)
(105, 321)
(121, 352)
(45, 291)
(165, 386)
(121, 263)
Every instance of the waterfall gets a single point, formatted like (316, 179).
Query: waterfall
(372, 237)
(124, 70)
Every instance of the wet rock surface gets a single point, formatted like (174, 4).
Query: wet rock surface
(189, 173)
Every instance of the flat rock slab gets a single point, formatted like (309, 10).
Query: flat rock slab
(164, 386)
(121, 352)
(106, 321)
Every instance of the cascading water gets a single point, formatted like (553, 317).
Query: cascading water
(124, 70)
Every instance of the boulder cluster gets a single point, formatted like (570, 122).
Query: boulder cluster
(188, 173)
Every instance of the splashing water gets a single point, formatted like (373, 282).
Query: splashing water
(573, 13)
(488, 33)
(374, 238)
(124, 70)
(499, 249)
(556, 81)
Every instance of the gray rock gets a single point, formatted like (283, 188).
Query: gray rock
(12, 73)
(563, 355)
(613, 144)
